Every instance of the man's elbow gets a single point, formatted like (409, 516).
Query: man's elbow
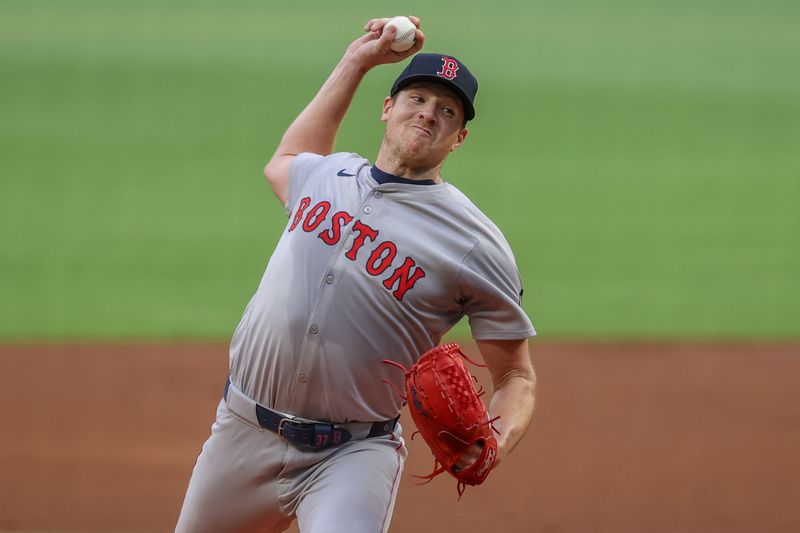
(271, 172)
(277, 173)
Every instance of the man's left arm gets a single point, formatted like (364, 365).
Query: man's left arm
(514, 383)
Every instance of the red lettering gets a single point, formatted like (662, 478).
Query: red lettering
(316, 216)
(364, 231)
(298, 216)
(377, 262)
(449, 68)
(332, 236)
(404, 278)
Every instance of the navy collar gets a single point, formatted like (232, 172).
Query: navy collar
(384, 177)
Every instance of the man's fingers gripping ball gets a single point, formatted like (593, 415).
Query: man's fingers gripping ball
(405, 33)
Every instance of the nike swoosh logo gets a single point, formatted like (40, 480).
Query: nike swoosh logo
(344, 174)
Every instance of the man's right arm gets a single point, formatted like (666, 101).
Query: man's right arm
(314, 130)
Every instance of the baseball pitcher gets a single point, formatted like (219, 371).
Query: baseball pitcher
(376, 263)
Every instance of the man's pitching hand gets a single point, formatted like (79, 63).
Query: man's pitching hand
(374, 48)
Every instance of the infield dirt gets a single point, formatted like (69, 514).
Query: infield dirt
(633, 437)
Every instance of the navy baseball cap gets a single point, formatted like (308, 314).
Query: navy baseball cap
(444, 69)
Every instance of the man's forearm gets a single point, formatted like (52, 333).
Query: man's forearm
(513, 401)
(514, 382)
(314, 130)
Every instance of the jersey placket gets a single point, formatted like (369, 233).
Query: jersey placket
(338, 265)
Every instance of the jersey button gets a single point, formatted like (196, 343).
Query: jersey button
(314, 329)
(368, 210)
(329, 279)
(302, 378)
(378, 194)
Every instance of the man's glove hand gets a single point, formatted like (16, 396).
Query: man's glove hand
(450, 415)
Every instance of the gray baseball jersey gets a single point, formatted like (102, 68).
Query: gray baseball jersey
(369, 266)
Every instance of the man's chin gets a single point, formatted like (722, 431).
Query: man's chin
(417, 148)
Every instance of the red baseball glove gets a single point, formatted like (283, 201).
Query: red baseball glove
(448, 412)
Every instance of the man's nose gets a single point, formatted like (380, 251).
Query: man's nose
(428, 113)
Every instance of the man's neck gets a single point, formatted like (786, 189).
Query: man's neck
(399, 167)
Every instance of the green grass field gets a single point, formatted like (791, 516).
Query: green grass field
(643, 158)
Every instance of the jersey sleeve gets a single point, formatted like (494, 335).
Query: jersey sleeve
(491, 292)
(302, 167)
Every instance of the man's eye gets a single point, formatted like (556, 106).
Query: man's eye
(417, 99)
(448, 111)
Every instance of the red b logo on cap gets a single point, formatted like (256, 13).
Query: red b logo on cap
(449, 68)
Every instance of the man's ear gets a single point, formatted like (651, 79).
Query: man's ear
(388, 103)
(460, 139)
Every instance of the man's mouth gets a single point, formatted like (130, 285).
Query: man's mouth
(424, 130)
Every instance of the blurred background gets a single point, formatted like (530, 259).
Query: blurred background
(642, 158)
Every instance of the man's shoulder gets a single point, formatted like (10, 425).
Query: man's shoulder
(488, 235)
(344, 162)
(469, 209)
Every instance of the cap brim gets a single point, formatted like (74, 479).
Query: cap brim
(469, 109)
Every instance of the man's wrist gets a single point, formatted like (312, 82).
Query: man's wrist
(352, 63)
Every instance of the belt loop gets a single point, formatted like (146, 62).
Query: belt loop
(380, 429)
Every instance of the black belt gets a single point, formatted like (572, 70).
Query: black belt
(312, 433)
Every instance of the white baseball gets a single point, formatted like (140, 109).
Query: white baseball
(406, 33)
